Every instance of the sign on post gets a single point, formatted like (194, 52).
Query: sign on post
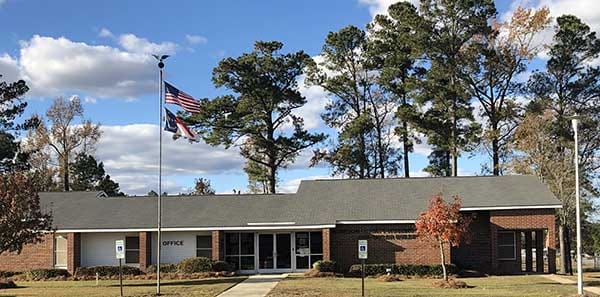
(120, 249)
(362, 249)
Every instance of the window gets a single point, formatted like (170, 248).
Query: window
(506, 245)
(239, 250)
(132, 249)
(60, 251)
(309, 249)
(204, 246)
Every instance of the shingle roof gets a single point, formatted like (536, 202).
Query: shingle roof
(317, 202)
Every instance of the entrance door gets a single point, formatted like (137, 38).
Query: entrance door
(284, 253)
(275, 252)
(265, 251)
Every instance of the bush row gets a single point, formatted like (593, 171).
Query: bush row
(41, 274)
(402, 269)
(106, 271)
(193, 265)
(325, 266)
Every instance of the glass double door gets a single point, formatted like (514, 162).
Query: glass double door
(275, 251)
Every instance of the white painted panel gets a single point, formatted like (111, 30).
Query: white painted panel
(171, 251)
(99, 248)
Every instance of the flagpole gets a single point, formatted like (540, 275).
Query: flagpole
(161, 65)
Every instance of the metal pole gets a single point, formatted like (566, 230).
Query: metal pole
(121, 276)
(577, 213)
(363, 278)
(161, 65)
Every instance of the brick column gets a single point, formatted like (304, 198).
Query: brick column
(552, 248)
(326, 245)
(218, 244)
(539, 250)
(528, 251)
(145, 250)
(73, 252)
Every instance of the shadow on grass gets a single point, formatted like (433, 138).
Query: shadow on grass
(212, 281)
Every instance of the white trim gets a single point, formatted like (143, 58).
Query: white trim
(272, 223)
(197, 229)
(377, 222)
(511, 207)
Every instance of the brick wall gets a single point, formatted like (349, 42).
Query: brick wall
(32, 256)
(218, 245)
(73, 251)
(525, 219)
(389, 243)
(326, 244)
(145, 249)
(475, 253)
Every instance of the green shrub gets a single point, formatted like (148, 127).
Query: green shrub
(106, 271)
(41, 274)
(166, 268)
(325, 266)
(194, 265)
(219, 266)
(5, 274)
(402, 269)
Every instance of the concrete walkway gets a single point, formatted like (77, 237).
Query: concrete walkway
(565, 281)
(254, 286)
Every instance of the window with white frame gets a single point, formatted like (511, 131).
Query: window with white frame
(507, 247)
(309, 249)
(239, 250)
(132, 250)
(204, 246)
(60, 251)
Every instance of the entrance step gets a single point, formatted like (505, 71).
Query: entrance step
(254, 286)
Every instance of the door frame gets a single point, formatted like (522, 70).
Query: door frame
(292, 252)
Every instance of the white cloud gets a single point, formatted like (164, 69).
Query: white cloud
(59, 66)
(105, 33)
(9, 68)
(134, 44)
(130, 156)
(380, 6)
(316, 99)
(196, 39)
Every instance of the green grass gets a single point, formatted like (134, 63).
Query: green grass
(508, 286)
(202, 287)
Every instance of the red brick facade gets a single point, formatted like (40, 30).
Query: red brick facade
(35, 256)
(73, 251)
(326, 244)
(218, 245)
(387, 243)
(145, 250)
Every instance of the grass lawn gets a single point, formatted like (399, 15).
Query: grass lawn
(203, 287)
(490, 286)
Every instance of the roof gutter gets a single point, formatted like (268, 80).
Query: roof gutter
(179, 229)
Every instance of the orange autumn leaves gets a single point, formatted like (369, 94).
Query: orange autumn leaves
(443, 222)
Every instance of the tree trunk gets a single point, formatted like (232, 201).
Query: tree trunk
(405, 149)
(563, 249)
(443, 260)
(272, 179)
(66, 173)
(495, 157)
(568, 247)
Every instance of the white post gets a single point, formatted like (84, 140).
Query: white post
(577, 213)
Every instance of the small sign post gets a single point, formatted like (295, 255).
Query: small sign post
(362, 255)
(120, 253)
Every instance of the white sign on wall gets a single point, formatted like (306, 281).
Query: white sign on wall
(120, 249)
(362, 249)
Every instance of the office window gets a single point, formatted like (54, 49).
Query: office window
(309, 249)
(239, 250)
(204, 246)
(60, 251)
(132, 250)
(507, 245)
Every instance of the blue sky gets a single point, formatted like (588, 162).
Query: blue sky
(99, 51)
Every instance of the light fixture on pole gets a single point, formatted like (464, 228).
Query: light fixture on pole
(575, 122)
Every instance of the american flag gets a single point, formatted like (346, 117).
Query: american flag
(175, 96)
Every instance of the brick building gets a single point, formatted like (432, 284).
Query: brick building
(513, 230)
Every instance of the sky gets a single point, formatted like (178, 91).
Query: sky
(101, 52)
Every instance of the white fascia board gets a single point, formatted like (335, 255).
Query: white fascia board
(196, 229)
(271, 223)
(511, 207)
(346, 222)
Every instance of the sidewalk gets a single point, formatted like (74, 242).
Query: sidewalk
(565, 281)
(254, 286)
